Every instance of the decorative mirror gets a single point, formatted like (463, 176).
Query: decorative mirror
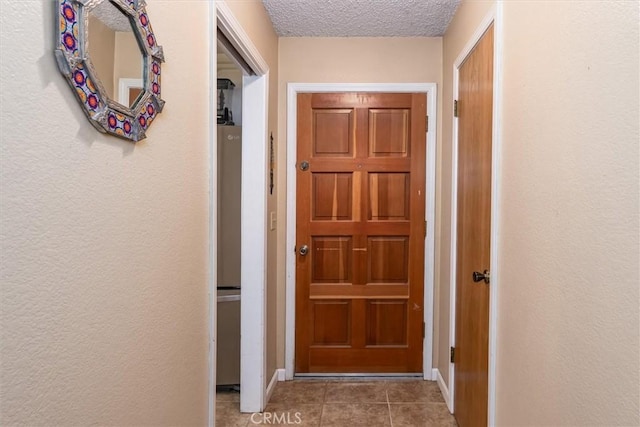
(108, 54)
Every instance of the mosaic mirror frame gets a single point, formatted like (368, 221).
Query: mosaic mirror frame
(72, 56)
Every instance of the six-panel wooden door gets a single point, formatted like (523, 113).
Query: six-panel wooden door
(360, 232)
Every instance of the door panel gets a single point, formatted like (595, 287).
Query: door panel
(332, 197)
(475, 114)
(388, 260)
(331, 322)
(332, 133)
(360, 213)
(386, 322)
(389, 196)
(332, 259)
(389, 132)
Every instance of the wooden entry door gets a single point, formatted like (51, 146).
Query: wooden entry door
(475, 116)
(360, 232)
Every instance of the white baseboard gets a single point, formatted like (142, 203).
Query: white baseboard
(281, 374)
(272, 386)
(444, 390)
(434, 374)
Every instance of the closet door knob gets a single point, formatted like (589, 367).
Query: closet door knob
(479, 277)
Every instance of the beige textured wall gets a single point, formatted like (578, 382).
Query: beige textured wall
(344, 60)
(465, 22)
(568, 313)
(568, 351)
(254, 20)
(104, 247)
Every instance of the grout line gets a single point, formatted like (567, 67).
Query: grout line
(324, 395)
(386, 392)
(324, 398)
(321, 412)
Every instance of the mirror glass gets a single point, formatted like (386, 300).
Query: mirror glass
(115, 54)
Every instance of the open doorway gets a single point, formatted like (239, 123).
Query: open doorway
(229, 173)
(246, 104)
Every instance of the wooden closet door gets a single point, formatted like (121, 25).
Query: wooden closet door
(475, 119)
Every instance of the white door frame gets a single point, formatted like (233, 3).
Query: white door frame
(493, 17)
(292, 91)
(213, 217)
(253, 220)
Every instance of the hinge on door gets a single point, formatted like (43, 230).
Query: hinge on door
(425, 229)
(424, 327)
(427, 124)
(455, 108)
(453, 353)
(295, 249)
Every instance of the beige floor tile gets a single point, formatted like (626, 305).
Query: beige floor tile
(227, 396)
(299, 392)
(356, 392)
(299, 414)
(421, 414)
(355, 414)
(413, 391)
(228, 415)
(346, 404)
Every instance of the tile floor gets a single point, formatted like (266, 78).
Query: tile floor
(342, 403)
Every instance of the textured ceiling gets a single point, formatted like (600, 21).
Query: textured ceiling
(111, 16)
(361, 18)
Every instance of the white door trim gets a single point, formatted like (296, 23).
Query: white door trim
(124, 84)
(253, 381)
(231, 28)
(493, 17)
(292, 91)
(213, 217)
(253, 269)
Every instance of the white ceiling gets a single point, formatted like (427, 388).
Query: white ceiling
(360, 18)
